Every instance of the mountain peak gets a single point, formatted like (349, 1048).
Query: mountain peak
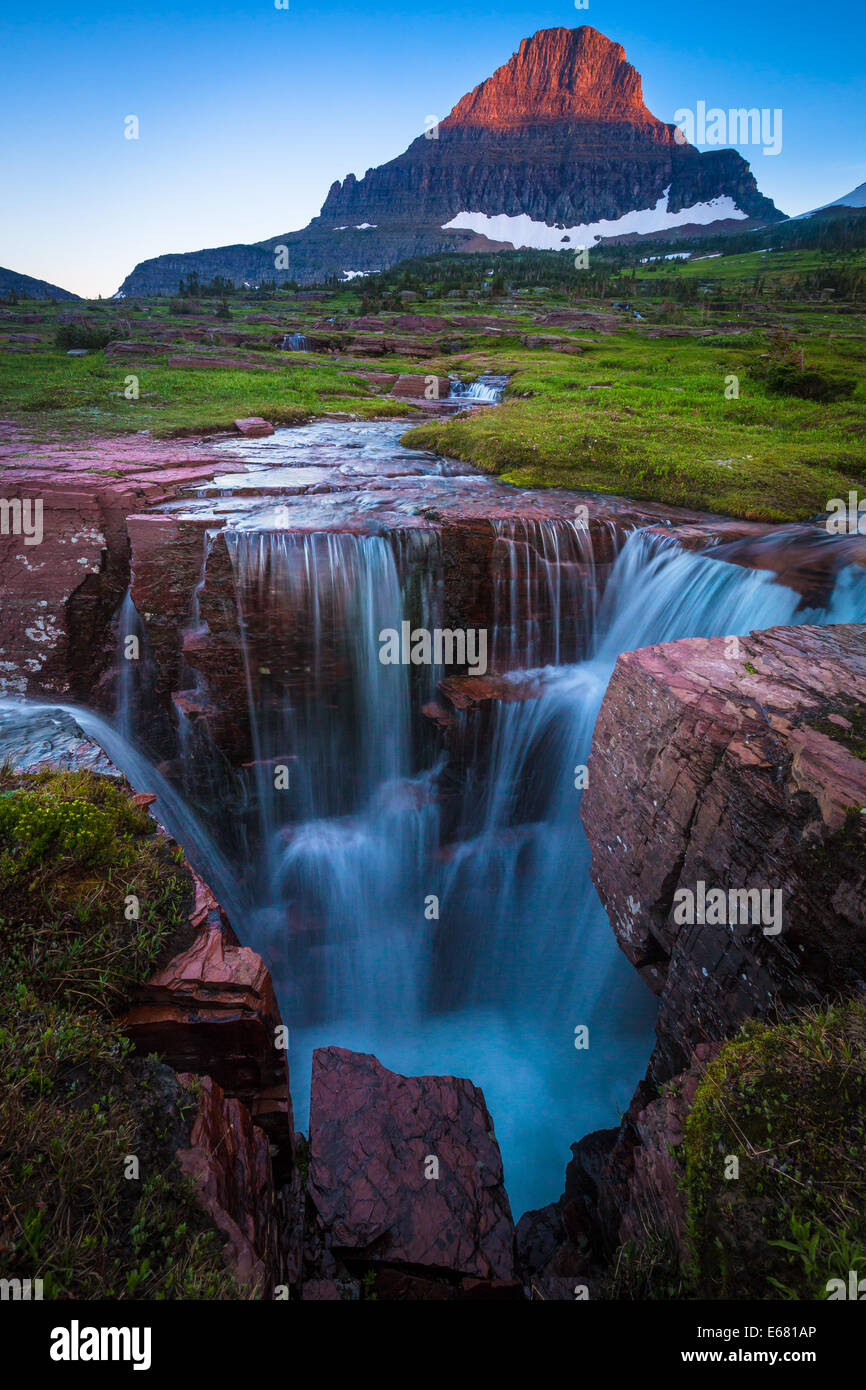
(559, 75)
(555, 148)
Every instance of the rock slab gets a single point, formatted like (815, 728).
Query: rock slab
(373, 1136)
(739, 767)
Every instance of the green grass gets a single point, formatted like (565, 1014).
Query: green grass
(74, 1102)
(778, 268)
(664, 430)
(790, 1102)
(52, 394)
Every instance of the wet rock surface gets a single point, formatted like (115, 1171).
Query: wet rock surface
(254, 427)
(212, 1011)
(342, 480)
(741, 772)
(405, 1172)
(34, 740)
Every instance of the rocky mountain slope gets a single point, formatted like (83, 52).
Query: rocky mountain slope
(556, 148)
(26, 287)
(855, 199)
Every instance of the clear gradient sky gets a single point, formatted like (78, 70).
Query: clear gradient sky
(248, 113)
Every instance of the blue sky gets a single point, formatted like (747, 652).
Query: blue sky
(248, 113)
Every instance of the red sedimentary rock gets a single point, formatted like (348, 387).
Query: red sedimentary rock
(254, 426)
(229, 1164)
(736, 767)
(423, 387)
(212, 1010)
(406, 1170)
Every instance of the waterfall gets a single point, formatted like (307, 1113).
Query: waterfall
(295, 342)
(130, 667)
(659, 592)
(545, 592)
(208, 780)
(341, 845)
(521, 857)
(519, 952)
(435, 907)
(487, 390)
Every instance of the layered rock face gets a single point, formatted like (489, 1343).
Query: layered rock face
(212, 1010)
(739, 763)
(559, 133)
(64, 568)
(227, 1160)
(742, 769)
(211, 1015)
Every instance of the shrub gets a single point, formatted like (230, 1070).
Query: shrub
(72, 847)
(41, 825)
(789, 379)
(85, 335)
(784, 373)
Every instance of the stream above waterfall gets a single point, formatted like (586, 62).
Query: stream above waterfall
(419, 895)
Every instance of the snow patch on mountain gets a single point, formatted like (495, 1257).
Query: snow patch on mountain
(523, 232)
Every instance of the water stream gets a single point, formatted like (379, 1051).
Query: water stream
(445, 922)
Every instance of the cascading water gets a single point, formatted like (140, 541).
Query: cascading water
(487, 390)
(434, 911)
(523, 930)
(545, 592)
(340, 834)
(295, 342)
(130, 666)
(659, 592)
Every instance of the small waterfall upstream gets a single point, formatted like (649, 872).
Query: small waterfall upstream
(486, 390)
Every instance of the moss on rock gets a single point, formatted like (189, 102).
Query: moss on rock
(789, 1103)
(96, 1204)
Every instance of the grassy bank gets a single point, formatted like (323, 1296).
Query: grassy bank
(738, 389)
(52, 395)
(651, 419)
(75, 1105)
(789, 1104)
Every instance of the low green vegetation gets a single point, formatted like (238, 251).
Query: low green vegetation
(53, 395)
(727, 375)
(658, 420)
(789, 1103)
(74, 1102)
